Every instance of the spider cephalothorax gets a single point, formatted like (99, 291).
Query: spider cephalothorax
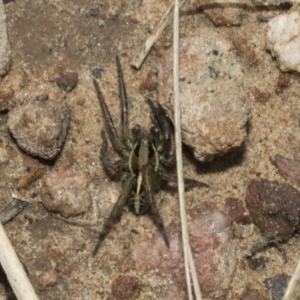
(145, 158)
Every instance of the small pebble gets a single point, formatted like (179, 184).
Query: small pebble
(40, 127)
(225, 16)
(260, 95)
(47, 279)
(68, 193)
(125, 287)
(288, 168)
(274, 208)
(277, 285)
(283, 39)
(236, 211)
(150, 83)
(67, 81)
(282, 83)
(55, 70)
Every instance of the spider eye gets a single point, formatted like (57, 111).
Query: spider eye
(138, 205)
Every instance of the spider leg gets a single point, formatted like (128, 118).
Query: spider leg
(116, 141)
(164, 140)
(153, 209)
(160, 118)
(188, 182)
(267, 240)
(111, 168)
(124, 105)
(115, 213)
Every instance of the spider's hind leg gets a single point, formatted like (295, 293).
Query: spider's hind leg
(115, 213)
(188, 182)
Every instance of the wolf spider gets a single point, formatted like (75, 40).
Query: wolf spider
(145, 158)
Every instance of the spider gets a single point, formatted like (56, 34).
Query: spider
(145, 159)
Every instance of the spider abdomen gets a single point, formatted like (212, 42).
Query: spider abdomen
(143, 203)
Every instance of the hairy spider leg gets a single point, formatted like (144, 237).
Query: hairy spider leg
(115, 213)
(153, 210)
(164, 140)
(267, 240)
(116, 141)
(112, 168)
(124, 105)
(188, 182)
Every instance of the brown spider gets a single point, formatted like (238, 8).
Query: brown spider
(145, 158)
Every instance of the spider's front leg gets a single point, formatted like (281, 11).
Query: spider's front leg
(115, 213)
(115, 139)
(124, 105)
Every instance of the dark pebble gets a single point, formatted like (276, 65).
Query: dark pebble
(124, 287)
(67, 81)
(274, 208)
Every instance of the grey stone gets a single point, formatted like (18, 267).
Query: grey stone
(214, 106)
(40, 127)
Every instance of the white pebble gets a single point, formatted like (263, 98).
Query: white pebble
(283, 40)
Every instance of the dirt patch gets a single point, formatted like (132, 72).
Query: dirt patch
(84, 37)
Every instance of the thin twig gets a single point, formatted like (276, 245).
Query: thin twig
(188, 259)
(292, 283)
(8, 258)
(14, 269)
(140, 57)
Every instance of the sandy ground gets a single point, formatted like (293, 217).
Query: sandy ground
(86, 35)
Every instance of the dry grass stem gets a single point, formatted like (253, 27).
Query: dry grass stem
(140, 57)
(188, 259)
(14, 269)
(292, 284)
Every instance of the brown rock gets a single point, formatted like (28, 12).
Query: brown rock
(225, 16)
(274, 208)
(277, 285)
(39, 127)
(68, 193)
(67, 81)
(288, 168)
(282, 83)
(47, 279)
(213, 252)
(236, 211)
(245, 49)
(55, 70)
(150, 83)
(260, 95)
(212, 124)
(125, 287)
